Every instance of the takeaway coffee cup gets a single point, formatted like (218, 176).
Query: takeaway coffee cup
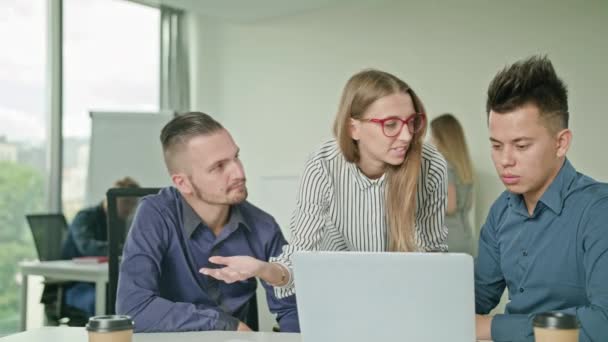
(111, 328)
(555, 327)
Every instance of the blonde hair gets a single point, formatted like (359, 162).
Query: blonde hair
(451, 143)
(360, 92)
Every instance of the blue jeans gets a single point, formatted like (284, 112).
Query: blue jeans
(81, 296)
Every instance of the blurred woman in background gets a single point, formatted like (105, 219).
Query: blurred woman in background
(448, 136)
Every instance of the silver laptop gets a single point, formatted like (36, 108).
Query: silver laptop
(385, 297)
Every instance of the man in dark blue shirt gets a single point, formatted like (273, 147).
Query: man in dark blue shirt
(88, 236)
(175, 233)
(546, 237)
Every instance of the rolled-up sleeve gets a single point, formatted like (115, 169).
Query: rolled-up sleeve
(308, 222)
(285, 308)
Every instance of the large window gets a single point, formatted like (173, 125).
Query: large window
(23, 130)
(111, 63)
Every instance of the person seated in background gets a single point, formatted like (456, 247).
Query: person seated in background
(175, 232)
(546, 236)
(448, 136)
(88, 236)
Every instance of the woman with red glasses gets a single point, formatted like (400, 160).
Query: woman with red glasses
(376, 187)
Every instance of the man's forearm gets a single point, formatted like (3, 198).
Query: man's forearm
(483, 327)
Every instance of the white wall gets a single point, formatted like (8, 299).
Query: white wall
(275, 84)
(204, 48)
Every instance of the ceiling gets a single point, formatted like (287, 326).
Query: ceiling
(245, 10)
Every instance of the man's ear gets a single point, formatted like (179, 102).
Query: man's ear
(354, 128)
(564, 139)
(182, 183)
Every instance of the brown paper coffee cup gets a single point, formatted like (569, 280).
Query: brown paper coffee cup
(555, 327)
(111, 328)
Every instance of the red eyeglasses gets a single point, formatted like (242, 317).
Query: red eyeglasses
(392, 126)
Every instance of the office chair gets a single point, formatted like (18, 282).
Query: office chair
(252, 320)
(117, 232)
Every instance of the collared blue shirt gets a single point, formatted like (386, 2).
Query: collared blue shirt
(553, 260)
(160, 286)
(87, 235)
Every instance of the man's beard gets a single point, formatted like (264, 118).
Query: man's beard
(227, 200)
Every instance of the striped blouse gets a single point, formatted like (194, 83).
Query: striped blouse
(339, 209)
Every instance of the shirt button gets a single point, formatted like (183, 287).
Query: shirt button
(521, 289)
(525, 253)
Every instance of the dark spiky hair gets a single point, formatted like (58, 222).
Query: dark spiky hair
(530, 81)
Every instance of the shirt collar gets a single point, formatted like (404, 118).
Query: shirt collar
(361, 179)
(558, 189)
(555, 194)
(192, 221)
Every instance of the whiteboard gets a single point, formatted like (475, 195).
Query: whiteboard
(125, 144)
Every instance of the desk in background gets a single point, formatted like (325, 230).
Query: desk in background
(65, 270)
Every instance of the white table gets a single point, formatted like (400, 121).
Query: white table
(65, 270)
(64, 334)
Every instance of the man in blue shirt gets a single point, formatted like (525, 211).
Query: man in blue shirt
(88, 236)
(546, 237)
(175, 233)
